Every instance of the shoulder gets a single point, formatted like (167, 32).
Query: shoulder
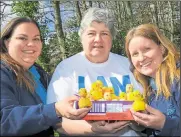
(175, 85)
(7, 73)
(71, 61)
(5, 68)
(45, 77)
(120, 61)
(40, 69)
(119, 58)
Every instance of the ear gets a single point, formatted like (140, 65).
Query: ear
(162, 49)
(6, 42)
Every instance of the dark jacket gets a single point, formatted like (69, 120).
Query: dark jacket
(171, 108)
(22, 111)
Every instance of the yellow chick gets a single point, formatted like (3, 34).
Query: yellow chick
(137, 95)
(107, 96)
(97, 85)
(113, 96)
(96, 94)
(139, 105)
(130, 96)
(129, 88)
(122, 96)
(82, 92)
(84, 101)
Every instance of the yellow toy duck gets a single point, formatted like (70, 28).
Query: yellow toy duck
(129, 92)
(96, 92)
(95, 95)
(122, 96)
(139, 103)
(137, 95)
(84, 101)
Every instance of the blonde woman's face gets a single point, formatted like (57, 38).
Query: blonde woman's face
(146, 55)
(97, 42)
(25, 44)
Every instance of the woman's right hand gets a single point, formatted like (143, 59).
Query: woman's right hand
(103, 127)
(65, 109)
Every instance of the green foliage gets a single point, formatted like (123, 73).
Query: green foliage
(128, 15)
(25, 8)
(73, 44)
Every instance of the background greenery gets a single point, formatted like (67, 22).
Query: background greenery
(60, 20)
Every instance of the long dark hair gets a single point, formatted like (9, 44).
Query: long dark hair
(23, 77)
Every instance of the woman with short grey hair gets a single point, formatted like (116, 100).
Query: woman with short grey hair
(98, 15)
(95, 62)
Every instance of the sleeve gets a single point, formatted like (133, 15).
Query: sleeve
(18, 120)
(172, 124)
(61, 84)
(136, 127)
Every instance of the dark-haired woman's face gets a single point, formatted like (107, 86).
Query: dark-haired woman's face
(25, 44)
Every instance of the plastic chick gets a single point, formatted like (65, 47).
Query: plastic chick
(122, 96)
(95, 95)
(107, 94)
(139, 105)
(84, 101)
(129, 88)
(137, 95)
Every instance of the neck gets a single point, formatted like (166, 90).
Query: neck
(97, 59)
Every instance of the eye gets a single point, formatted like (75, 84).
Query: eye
(135, 54)
(147, 49)
(90, 33)
(21, 38)
(105, 33)
(37, 39)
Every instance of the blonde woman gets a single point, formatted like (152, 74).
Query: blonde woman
(155, 65)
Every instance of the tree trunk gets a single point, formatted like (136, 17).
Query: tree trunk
(84, 5)
(59, 28)
(171, 20)
(90, 3)
(130, 12)
(78, 12)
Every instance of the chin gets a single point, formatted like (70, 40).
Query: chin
(147, 74)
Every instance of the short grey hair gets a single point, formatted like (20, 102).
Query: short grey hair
(99, 15)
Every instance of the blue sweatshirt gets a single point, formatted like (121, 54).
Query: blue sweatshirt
(22, 112)
(170, 108)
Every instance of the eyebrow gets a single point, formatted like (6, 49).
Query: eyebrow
(105, 31)
(27, 36)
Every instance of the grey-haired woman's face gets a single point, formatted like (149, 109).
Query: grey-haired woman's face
(97, 42)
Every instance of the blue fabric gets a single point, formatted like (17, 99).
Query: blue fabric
(22, 111)
(170, 107)
(152, 84)
(39, 89)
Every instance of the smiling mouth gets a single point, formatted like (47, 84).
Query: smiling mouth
(146, 64)
(98, 47)
(28, 51)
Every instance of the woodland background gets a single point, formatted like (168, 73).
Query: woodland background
(60, 20)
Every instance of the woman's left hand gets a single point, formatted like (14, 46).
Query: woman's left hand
(152, 118)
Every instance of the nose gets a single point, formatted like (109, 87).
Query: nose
(141, 57)
(97, 38)
(30, 43)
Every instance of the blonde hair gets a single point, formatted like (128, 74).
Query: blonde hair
(167, 71)
(23, 77)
